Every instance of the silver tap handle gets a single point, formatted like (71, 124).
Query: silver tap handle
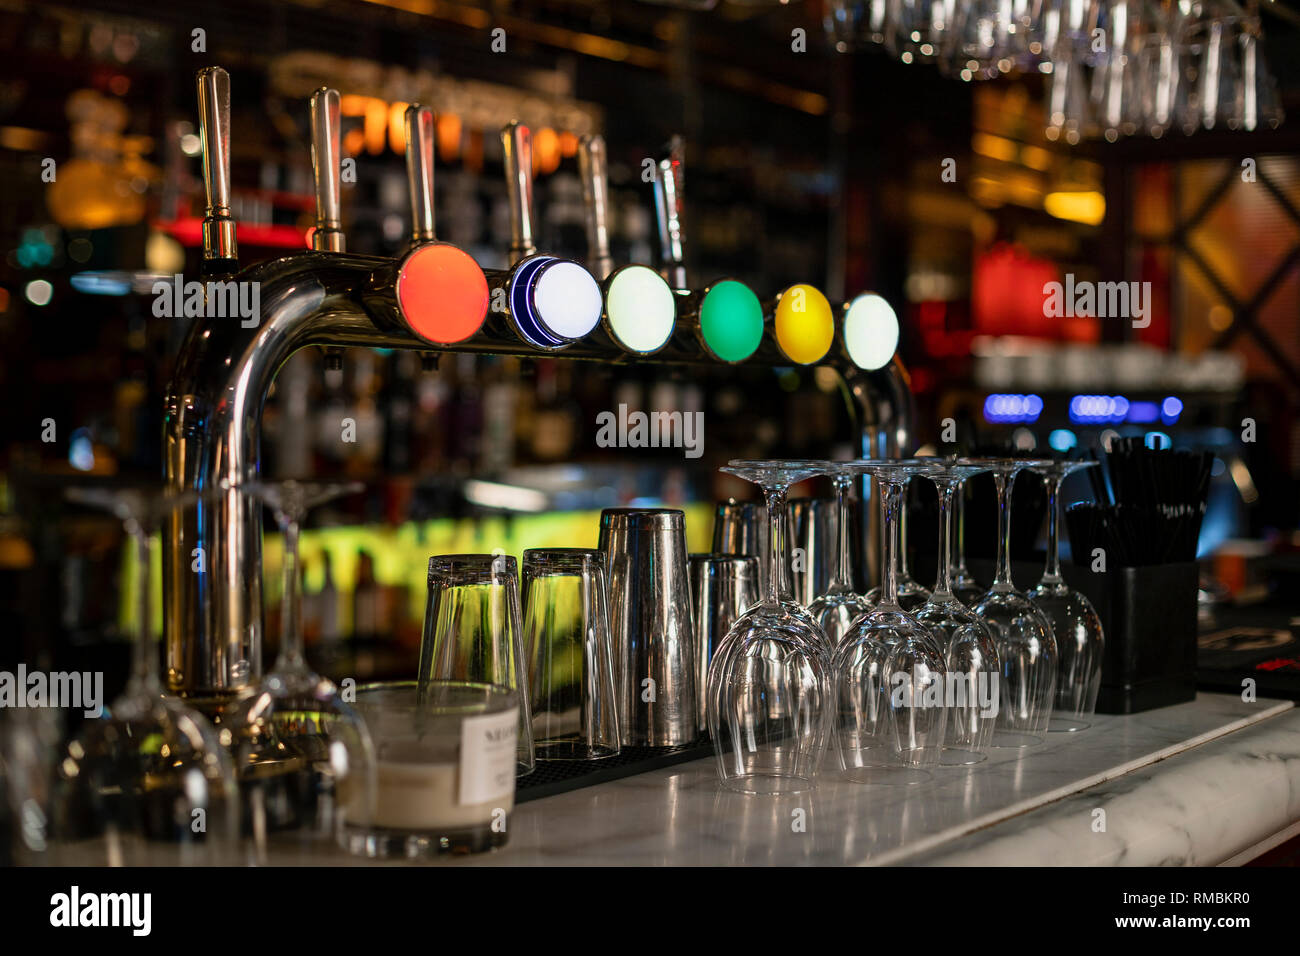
(595, 194)
(214, 127)
(328, 236)
(518, 144)
(419, 170)
(668, 207)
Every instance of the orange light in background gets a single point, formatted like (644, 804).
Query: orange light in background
(474, 151)
(374, 129)
(568, 144)
(1088, 207)
(546, 151)
(995, 147)
(447, 129)
(376, 126)
(397, 127)
(1035, 157)
(4, 299)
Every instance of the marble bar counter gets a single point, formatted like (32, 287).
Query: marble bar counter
(1216, 780)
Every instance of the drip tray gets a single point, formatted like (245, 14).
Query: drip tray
(559, 776)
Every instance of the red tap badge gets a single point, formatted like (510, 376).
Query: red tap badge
(442, 293)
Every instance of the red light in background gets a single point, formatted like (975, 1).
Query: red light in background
(1007, 293)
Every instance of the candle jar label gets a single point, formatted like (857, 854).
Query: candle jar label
(488, 746)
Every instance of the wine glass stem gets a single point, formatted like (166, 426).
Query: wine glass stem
(291, 606)
(943, 582)
(840, 583)
(1004, 483)
(891, 495)
(903, 573)
(144, 670)
(1052, 573)
(775, 496)
(961, 529)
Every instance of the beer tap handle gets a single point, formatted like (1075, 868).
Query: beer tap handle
(220, 253)
(518, 144)
(419, 171)
(595, 193)
(328, 236)
(668, 209)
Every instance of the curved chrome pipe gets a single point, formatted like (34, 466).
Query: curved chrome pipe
(212, 432)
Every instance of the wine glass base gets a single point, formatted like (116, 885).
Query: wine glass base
(1067, 725)
(768, 783)
(1016, 739)
(886, 776)
(572, 750)
(961, 757)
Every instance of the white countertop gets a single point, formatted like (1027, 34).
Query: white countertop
(1200, 783)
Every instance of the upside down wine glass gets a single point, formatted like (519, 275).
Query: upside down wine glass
(911, 592)
(767, 690)
(1075, 623)
(1026, 646)
(304, 757)
(974, 669)
(148, 783)
(888, 675)
(840, 606)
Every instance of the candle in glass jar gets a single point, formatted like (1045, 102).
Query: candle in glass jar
(448, 781)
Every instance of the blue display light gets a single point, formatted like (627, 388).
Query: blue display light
(1011, 409)
(101, 283)
(1062, 439)
(1098, 409)
(1170, 409)
(1157, 440)
(1143, 413)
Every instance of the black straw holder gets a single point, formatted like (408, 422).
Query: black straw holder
(1148, 616)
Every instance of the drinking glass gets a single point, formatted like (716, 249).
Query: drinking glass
(810, 534)
(1026, 646)
(1075, 624)
(911, 593)
(974, 47)
(1116, 95)
(472, 631)
(1261, 107)
(303, 755)
(740, 527)
(889, 672)
(148, 782)
(567, 646)
(767, 691)
(723, 587)
(964, 585)
(840, 606)
(972, 653)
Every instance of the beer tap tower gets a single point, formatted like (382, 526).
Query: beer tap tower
(434, 298)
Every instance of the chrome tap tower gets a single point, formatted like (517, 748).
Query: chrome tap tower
(212, 556)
